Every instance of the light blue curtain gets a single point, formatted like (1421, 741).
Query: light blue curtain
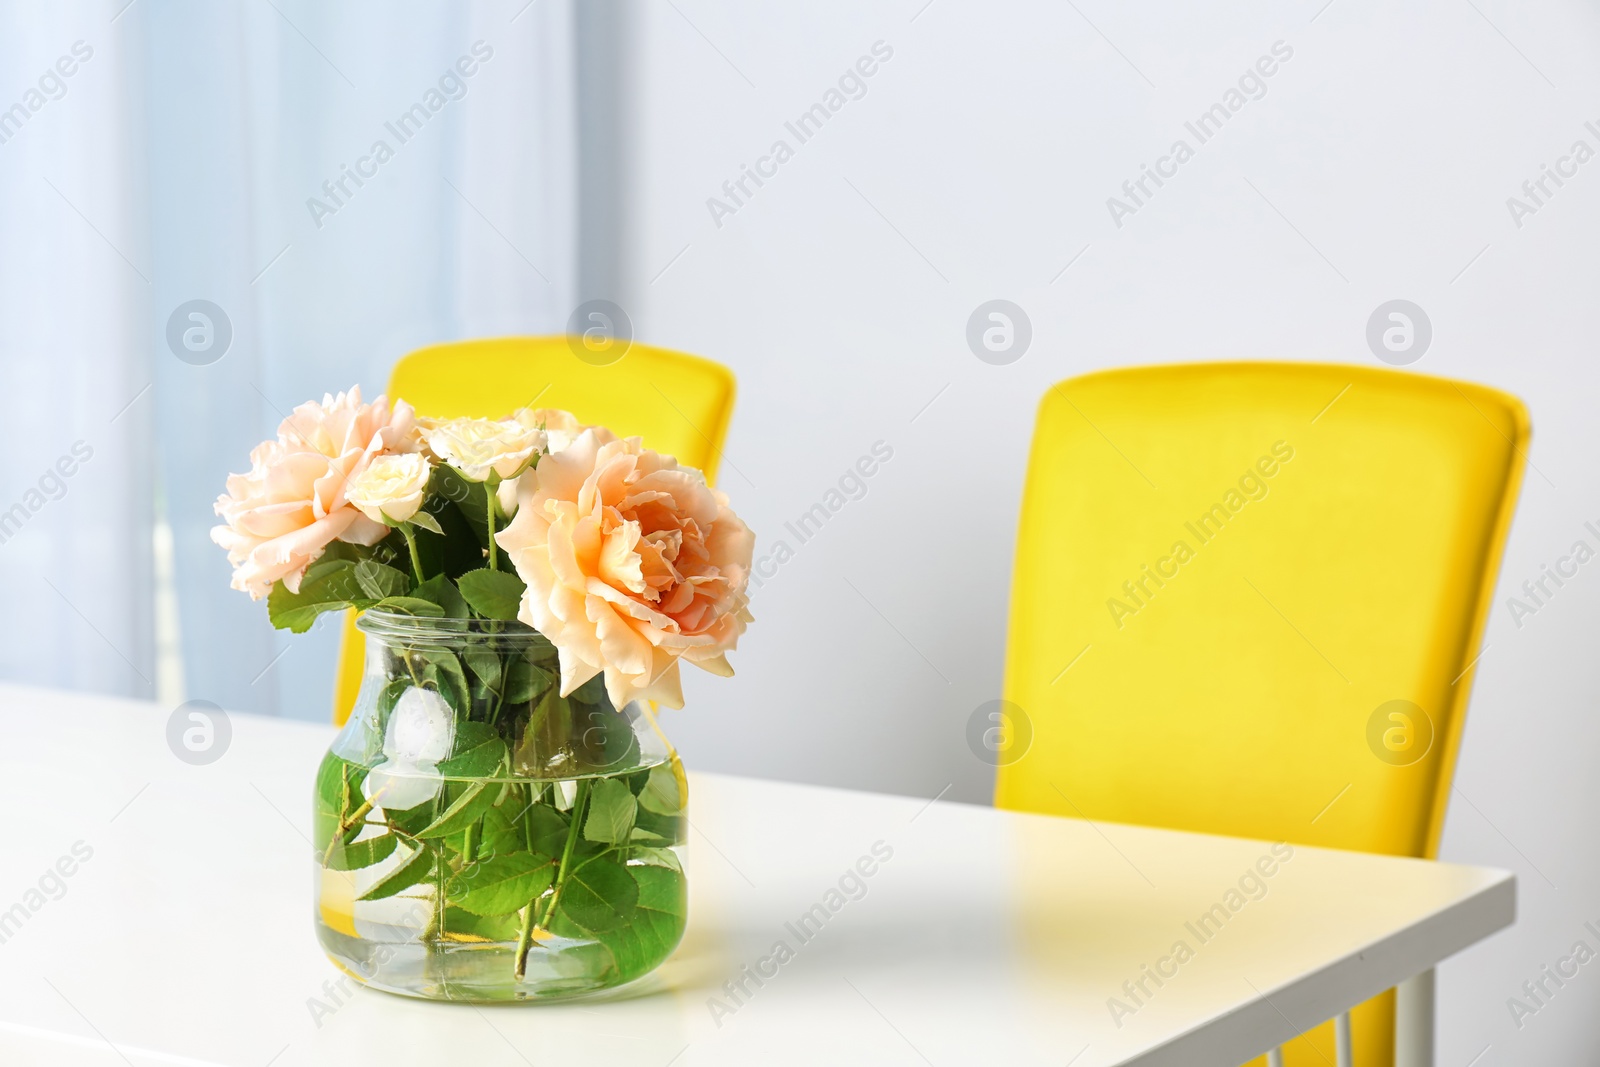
(75, 501)
(253, 194)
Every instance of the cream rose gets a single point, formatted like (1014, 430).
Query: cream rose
(631, 563)
(391, 489)
(281, 515)
(505, 494)
(477, 447)
(560, 428)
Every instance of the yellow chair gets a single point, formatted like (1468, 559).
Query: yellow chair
(1225, 576)
(679, 404)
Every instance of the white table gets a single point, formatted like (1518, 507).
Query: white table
(987, 937)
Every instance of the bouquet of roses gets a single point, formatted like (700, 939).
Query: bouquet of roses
(626, 561)
(532, 584)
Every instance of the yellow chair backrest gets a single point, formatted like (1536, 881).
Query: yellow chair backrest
(679, 404)
(1248, 599)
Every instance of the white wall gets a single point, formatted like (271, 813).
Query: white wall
(989, 143)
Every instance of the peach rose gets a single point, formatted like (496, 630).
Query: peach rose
(631, 563)
(281, 515)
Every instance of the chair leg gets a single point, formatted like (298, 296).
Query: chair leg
(1275, 1058)
(1342, 1049)
(1413, 1029)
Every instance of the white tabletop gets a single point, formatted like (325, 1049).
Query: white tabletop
(986, 937)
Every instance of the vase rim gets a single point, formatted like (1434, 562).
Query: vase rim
(400, 626)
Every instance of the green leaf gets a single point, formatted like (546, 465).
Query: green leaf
(611, 812)
(409, 821)
(390, 550)
(667, 829)
(501, 884)
(326, 586)
(661, 890)
(438, 552)
(475, 799)
(470, 498)
(338, 794)
(503, 828)
(461, 548)
(442, 591)
(329, 802)
(524, 679)
(649, 838)
(515, 825)
(444, 671)
(531, 752)
(654, 930)
(599, 895)
(462, 925)
(410, 605)
(392, 691)
(656, 857)
(592, 692)
(478, 752)
(547, 828)
(662, 793)
(469, 735)
(403, 877)
(379, 580)
(483, 663)
(492, 594)
(427, 522)
(362, 853)
(341, 552)
(657, 923)
(603, 739)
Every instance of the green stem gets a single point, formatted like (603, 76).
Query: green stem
(525, 940)
(435, 929)
(525, 935)
(344, 827)
(436, 920)
(411, 543)
(579, 802)
(488, 495)
(441, 867)
(500, 693)
(411, 668)
(474, 837)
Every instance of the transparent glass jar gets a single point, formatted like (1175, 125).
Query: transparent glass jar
(481, 838)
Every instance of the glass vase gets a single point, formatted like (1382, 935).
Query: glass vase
(480, 837)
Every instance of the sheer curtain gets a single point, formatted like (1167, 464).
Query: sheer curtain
(75, 501)
(298, 195)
